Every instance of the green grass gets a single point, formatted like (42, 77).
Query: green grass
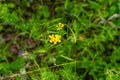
(86, 48)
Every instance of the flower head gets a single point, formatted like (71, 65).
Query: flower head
(55, 38)
(60, 26)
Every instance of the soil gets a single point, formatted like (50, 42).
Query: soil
(18, 43)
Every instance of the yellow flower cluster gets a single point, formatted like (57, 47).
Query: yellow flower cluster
(60, 26)
(55, 38)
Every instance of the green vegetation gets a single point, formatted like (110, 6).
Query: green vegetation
(59, 39)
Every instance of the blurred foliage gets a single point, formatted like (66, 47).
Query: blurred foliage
(89, 47)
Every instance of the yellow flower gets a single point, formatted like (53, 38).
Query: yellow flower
(60, 26)
(55, 38)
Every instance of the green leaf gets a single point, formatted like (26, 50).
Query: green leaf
(48, 75)
(67, 73)
(68, 4)
(1, 27)
(94, 5)
(4, 68)
(18, 64)
(45, 11)
(77, 9)
(112, 10)
(11, 5)
(67, 58)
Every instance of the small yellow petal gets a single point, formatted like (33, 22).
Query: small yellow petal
(51, 41)
(59, 23)
(62, 25)
(55, 42)
(59, 40)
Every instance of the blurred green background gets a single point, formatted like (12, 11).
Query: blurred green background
(89, 47)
